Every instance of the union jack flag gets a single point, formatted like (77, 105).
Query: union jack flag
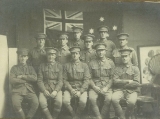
(60, 20)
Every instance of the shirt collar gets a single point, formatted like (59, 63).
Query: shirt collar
(90, 50)
(104, 60)
(50, 63)
(42, 49)
(125, 47)
(21, 65)
(76, 63)
(128, 65)
(65, 47)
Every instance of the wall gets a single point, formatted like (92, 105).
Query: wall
(143, 27)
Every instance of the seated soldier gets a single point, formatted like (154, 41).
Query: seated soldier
(88, 53)
(63, 49)
(76, 79)
(21, 78)
(125, 83)
(50, 83)
(101, 82)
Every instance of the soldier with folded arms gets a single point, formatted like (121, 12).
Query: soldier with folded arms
(76, 79)
(125, 85)
(50, 82)
(21, 78)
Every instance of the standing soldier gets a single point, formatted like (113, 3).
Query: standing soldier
(88, 53)
(50, 83)
(101, 81)
(125, 80)
(37, 55)
(103, 32)
(77, 41)
(76, 79)
(63, 49)
(123, 41)
(21, 78)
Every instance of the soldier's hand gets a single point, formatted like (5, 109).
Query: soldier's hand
(46, 93)
(97, 89)
(20, 76)
(53, 94)
(130, 81)
(73, 92)
(78, 94)
(105, 89)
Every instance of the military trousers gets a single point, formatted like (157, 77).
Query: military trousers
(32, 99)
(81, 102)
(130, 98)
(57, 103)
(93, 96)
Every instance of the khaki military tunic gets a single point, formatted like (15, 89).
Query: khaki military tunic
(63, 55)
(36, 57)
(87, 55)
(50, 77)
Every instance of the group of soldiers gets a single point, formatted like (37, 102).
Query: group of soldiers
(85, 69)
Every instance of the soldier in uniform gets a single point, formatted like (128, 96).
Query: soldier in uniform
(50, 83)
(88, 53)
(37, 54)
(103, 33)
(123, 41)
(125, 82)
(77, 32)
(101, 81)
(21, 78)
(63, 50)
(76, 79)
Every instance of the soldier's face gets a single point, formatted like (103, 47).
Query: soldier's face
(77, 35)
(51, 57)
(63, 41)
(88, 44)
(123, 42)
(103, 34)
(22, 59)
(41, 42)
(101, 53)
(75, 55)
(125, 59)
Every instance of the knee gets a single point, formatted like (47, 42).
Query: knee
(93, 100)
(131, 103)
(16, 105)
(58, 103)
(35, 103)
(115, 100)
(83, 101)
(43, 104)
(66, 102)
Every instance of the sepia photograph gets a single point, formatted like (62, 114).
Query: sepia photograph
(79, 59)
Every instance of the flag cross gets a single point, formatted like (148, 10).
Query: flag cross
(63, 19)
